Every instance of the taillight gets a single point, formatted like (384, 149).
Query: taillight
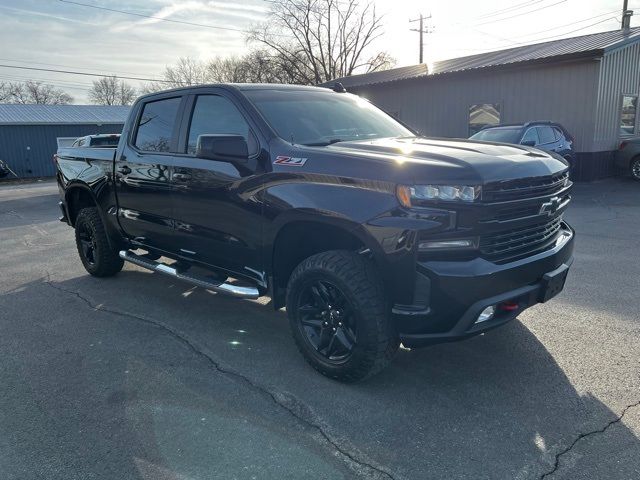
(622, 145)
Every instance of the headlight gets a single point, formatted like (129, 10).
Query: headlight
(462, 193)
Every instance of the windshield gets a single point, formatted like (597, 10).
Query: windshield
(322, 118)
(504, 135)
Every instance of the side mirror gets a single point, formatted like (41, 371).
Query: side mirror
(225, 148)
(528, 143)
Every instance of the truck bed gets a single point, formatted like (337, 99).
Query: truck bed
(88, 153)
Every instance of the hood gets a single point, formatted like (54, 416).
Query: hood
(455, 160)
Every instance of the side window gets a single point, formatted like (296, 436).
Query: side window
(531, 135)
(558, 133)
(628, 114)
(155, 128)
(546, 135)
(214, 114)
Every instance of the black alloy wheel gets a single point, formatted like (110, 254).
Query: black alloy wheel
(339, 315)
(635, 168)
(87, 243)
(327, 320)
(99, 257)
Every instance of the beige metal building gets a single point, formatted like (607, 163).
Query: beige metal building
(589, 84)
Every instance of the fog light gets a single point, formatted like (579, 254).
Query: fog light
(486, 314)
(446, 244)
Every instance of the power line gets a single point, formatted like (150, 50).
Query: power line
(142, 15)
(55, 65)
(518, 6)
(570, 24)
(516, 43)
(534, 41)
(520, 14)
(84, 73)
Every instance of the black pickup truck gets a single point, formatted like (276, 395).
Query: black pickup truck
(368, 233)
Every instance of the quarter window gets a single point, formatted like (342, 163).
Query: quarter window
(546, 135)
(155, 128)
(214, 114)
(559, 134)
(628, 114)
(531, 135)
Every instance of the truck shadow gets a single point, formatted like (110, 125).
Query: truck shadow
(495, 406)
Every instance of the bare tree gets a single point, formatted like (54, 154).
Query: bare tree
(38, 92)
(5, 91)
(111, 91)
(257, 66)
(323, 39)
(187, 71)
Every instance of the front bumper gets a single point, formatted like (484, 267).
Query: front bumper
(460, 290)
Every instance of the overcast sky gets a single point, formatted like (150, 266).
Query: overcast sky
(53, 34)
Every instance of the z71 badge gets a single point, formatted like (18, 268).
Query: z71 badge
(292, 161)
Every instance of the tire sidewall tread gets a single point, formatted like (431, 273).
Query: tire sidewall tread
(358, 279)
(107, 261)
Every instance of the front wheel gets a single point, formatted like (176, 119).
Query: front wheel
(635, 169)
(97, 256)
(339, 317)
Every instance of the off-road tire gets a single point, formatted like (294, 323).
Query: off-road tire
(356, 277)
(634, 168)
(104, 261)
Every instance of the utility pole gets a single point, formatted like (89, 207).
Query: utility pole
(421, 30)
(626, 15)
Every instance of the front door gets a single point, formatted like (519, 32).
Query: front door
(143, 174)
(217, 217)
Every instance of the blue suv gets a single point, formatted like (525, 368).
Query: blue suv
(548, 136)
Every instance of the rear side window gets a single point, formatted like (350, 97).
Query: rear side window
(214, 114)
(546, 135)
(559, 134)
(531, 135)
(156, 125)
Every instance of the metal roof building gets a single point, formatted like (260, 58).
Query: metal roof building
(29, 134)
(590, 84)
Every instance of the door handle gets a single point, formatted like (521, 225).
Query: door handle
(181, 177)
(124, 170)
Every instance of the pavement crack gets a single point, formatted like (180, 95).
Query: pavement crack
(566, 450)
(366, 468)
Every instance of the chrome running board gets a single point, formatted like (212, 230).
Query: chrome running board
(223, 288)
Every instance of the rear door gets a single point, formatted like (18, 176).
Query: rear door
(218, 219)
(548, 139)
(143, 172)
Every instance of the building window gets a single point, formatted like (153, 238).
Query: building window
(628, 114)
(483, 115)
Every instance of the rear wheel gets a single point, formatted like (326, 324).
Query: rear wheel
(635, 169)
(339, 316)
(97, 256)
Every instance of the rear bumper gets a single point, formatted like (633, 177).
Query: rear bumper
(460, 291)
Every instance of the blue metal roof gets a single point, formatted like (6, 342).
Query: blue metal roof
(17, 114)
(596, 44)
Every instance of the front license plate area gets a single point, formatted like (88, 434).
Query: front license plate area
(553, 283)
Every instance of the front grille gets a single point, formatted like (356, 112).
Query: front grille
(509, 244)
(524, 188)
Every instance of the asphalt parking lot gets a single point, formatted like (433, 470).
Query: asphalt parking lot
(142, 377)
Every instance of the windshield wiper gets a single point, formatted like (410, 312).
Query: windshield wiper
(324, 144)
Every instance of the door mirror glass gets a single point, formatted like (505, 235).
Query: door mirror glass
(225, 148)
(528, 143)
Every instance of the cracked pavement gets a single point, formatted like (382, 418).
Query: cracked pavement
(140, 376)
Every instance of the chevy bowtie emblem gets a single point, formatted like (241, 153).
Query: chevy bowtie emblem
(550, 207)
